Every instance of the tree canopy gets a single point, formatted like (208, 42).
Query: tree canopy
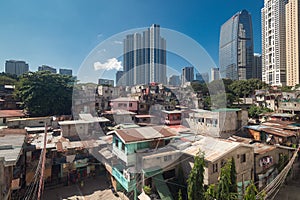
(196, 177)
(255, 111)
(44, 94)
(7, 79)
(227, 186)
(222, 93)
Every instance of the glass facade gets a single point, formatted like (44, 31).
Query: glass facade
(145, 57)
(236, 47)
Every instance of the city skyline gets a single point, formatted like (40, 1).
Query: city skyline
(55, 34)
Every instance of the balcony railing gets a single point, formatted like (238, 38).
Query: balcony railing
(128, 185)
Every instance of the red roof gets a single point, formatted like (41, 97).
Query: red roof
(11, 113)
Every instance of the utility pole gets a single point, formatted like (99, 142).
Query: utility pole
(41, 184)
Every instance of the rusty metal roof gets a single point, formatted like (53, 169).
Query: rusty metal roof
(11, 113)
(134, 135)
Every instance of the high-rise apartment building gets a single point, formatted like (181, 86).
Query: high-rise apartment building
(202, 77)
(257, 68)
(102, 81)
(187, 75)
(215, 74)
(47, 68)
(174, 80)
(145, 57)
(65, 72)
(292, 19)
(273, 42)
(236, 47)
(16, 67)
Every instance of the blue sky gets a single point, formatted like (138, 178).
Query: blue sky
(61, 33)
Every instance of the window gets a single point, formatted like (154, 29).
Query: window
(223, 163)
(167, 158)
(123, 146)
(215, 167)
(243, 158)
(130, 104)
(117, 142)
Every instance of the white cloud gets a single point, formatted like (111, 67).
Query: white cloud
(110, 64)
(99, 35)
(118, 42)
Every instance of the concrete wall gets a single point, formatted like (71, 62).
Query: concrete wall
(275, 154)
(29, 122)
(125, 105)
(244, 170)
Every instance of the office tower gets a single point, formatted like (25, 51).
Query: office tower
(292, 15)
(257, 68)
(215, 74)
(236, 47)
(187, 75)
(145, 57)
(102, 81)
(16, 67)
(273, 42)
(47, 68)
(65, 72)
(202, 77)
(174, 80)
(120, 78)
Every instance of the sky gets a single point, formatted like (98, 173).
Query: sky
(62, 33)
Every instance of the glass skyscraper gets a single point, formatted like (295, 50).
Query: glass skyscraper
(236, 47)
(144, 57)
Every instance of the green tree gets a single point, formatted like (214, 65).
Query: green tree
(179, 195)
(286, 89)
(211, 192)
(246, 88)
(255, 111)
(44, 94)
(251, 193)
(7, 79)
(233, 185)
(147, 189)
(224, 189)
(195, 180)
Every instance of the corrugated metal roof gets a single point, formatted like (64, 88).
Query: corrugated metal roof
(119, 112)
(212, 148)
(11, 113)
(90, 118)
(144, 133)
(122, 99)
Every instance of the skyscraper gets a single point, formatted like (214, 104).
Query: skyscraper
(65, 72)
(257, 70)
(16, 67)
(202, 77)
(47, 68)
(273, 42)
(292, 20)
(144, 57)
(236, 47)
(215, 74)
(174, 80)
(120, 78)
(187, 75)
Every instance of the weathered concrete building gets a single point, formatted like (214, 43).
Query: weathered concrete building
(216, 153)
